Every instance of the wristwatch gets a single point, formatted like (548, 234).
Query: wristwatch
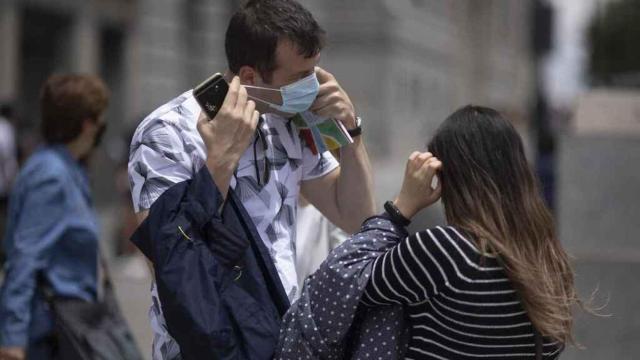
(357, 131)
(395, 214)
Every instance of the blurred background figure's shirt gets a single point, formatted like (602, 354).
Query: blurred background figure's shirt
(316, 236)
(52, 230)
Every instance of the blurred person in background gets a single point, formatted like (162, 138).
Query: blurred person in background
(316, 236)
(8, 163)
(52, 228)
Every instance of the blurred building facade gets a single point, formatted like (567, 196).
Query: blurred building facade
(599, 197)
(147, 50)
(598, 219)
(406, 63)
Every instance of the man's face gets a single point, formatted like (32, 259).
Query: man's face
(291, 66)
(91, 136)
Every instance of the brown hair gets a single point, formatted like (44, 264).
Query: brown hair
(66, 100)
(490, 192)
(255, 30)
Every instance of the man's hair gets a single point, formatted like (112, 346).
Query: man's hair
(256, 28)
(66, 100)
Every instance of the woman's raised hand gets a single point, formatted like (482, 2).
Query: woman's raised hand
(417, 193)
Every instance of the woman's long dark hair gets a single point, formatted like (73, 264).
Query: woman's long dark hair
(490, 192)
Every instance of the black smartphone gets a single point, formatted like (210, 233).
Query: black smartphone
(211, 93)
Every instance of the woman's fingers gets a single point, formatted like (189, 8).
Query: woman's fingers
(422, 158)
(437, 191)
(414, 155)
(428, 169)
(432, 170)
(417, 159)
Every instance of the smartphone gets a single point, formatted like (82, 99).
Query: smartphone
(211, 93)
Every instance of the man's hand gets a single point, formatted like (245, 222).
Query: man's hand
(12, 353)
(228, 134)
(345, 196)
(332, 101)
(417, 193)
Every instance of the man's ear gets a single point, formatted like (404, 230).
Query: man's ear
(88, 126)
(247, 75)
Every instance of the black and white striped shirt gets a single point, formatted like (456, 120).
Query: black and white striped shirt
(460, 303)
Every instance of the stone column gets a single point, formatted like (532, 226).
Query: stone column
(84, 40)
(9, 48)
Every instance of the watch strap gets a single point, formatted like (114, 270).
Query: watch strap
(395, 214)
(357, 131)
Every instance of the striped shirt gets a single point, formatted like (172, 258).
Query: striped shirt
(460, 303)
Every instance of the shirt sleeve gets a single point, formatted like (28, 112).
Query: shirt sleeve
(319, 165)
(158, 159)
(408, 273)
(41, 222)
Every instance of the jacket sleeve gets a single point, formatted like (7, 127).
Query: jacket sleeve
(193, 254)
(317, 325)
(410, 272)
(39, 225)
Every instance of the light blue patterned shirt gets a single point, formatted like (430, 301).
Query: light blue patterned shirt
(167, 149)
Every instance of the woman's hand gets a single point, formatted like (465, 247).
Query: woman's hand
(417, 193)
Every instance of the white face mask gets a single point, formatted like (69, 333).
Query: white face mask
(297, 97)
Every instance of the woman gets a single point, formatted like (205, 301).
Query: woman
(494, 283)
(52, 233)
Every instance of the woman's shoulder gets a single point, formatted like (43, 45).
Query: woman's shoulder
(452, 240)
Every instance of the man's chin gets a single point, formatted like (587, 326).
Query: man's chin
(89, 158)
(282, 114)
(270, 110)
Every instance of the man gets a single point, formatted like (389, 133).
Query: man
(52, 229)
(272, 47)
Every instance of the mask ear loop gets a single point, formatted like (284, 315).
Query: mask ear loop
(260, 88)
(260, 100)
(264, 101)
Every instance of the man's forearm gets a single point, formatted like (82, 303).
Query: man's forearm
(354, 191)
(221, 171)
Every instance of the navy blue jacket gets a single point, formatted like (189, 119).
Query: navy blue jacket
(220, 292)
